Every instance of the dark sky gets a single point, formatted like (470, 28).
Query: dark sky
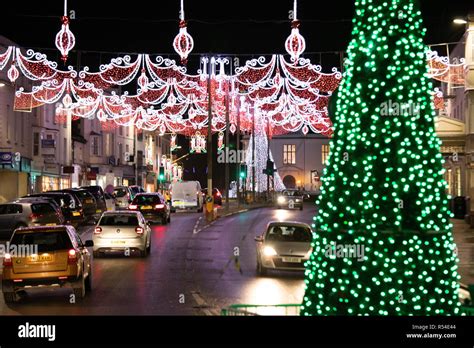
(243, 26)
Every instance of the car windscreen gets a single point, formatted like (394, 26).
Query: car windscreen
(65, 201)
(120, 192)
(283, 233)
(119, 220)
(42, 208)
(136, 190)
(146, 200)
(45, 240)
(83, 195)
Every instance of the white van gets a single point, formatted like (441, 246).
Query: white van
(186, 195)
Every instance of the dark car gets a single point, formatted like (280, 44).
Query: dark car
(14, 215)
(41, 199)
(88, 202)
(71, 207)
(290, 199)
(99, 196)
(216, 195)
(153, 207)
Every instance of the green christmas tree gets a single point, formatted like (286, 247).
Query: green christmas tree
(383, 243)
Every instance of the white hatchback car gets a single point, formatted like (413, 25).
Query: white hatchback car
(284, 246)
(121, 231)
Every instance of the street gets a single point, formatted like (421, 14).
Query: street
(186, 273)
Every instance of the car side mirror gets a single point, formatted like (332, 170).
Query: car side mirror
(259, 239)
(89, 243)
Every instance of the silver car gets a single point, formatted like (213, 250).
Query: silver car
(283, 246)
(121, 231)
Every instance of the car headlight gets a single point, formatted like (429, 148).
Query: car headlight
(281, 199)
(269, 251)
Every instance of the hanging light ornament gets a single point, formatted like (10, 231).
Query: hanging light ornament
(65, 39)
(13, 73)
(183, 43)
(143, 81)
(173, 144)
(220, 141)
(295, 43)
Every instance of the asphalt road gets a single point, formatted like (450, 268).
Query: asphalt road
(186, 274)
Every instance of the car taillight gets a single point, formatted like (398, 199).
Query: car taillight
(97, 230)
(218, 194)
(139, 230)
(7, 260)
(132, 206)
(35, 216)
(159, 206)
(72, 256)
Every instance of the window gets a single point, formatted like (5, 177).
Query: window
(120, 154)
(95, 148)
(127, 148)
(120, 130)
(458, 181)
(65, 149)
(324, 153)
(289, 154)
(127, 129)
(36, 143)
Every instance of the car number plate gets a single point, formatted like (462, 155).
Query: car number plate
(76, 213)
(51, 224)
(98, 211)
(292, 259)
(118, 242)
(88, 201)
(41, 258)
(147, 207)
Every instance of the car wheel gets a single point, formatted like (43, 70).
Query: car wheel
(169, 218)
(261, 271)
(89, 282)
(148, 249)
(164, 220)
(80, 288)
(9, 297)
(143, 253)
(301, 208)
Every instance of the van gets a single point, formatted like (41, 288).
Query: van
(186, 195)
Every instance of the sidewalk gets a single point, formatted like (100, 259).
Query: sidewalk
(234, 208)
(464, 238)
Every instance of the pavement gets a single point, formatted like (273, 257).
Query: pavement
(464, 238)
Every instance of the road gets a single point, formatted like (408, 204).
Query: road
(187, 273)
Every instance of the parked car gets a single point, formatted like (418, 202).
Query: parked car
(290, 199)
(23, 213)
(98, 194)
(216, 195)
(88, 202)
(153, 206)
(61, 260)
(186, 195)
(122, 230)
(284, 246)
(42, 199)
(71, 206)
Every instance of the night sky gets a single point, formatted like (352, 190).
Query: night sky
(244, 27)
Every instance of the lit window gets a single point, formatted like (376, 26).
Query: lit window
(289, 154)
(324, 153)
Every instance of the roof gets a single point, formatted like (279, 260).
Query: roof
(42, 228)
(118, 212)
(288, 223)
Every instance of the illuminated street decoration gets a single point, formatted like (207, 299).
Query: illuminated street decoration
(295, 43)
(292, 96)
(183, 43)
(383, 189)
(198, 143)
(65, 39)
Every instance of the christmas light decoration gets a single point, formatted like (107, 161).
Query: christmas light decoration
(383, 189)
(65, 39)
(183, 43)
(220, 141)
(295, 43)
(13, 73)
(198, 143)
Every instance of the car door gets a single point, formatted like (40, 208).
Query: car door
(3, 220)
(77, 242)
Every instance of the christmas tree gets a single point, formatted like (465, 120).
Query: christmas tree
(383, 243)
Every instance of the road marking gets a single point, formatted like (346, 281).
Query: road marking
(195, 230)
